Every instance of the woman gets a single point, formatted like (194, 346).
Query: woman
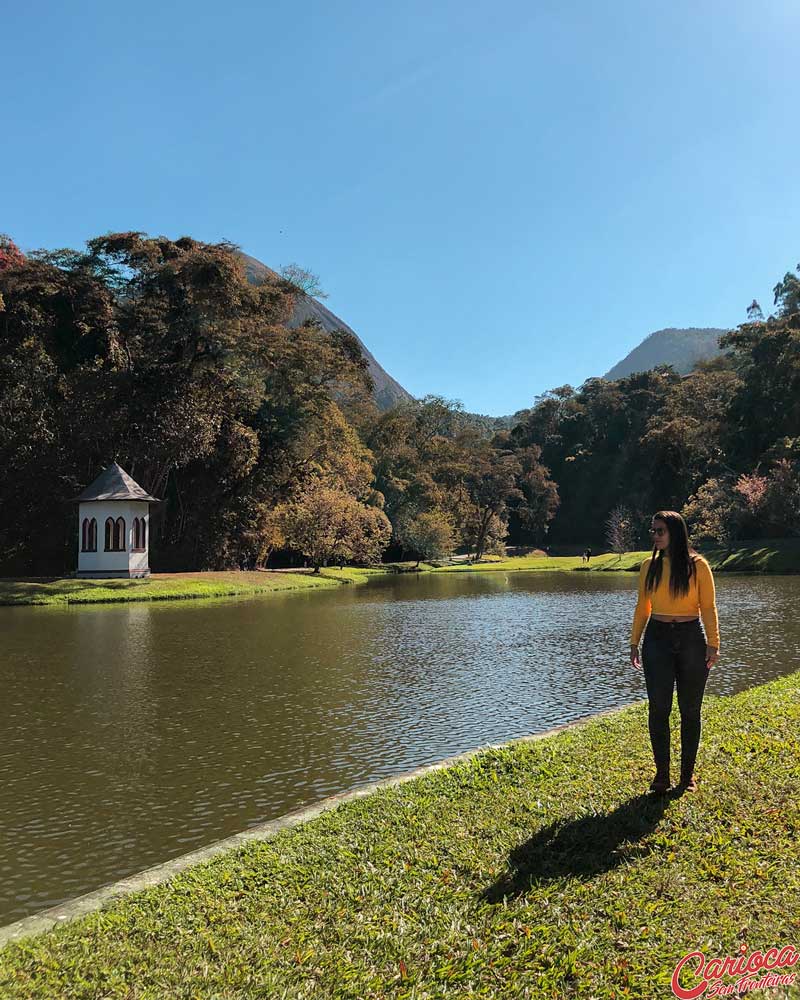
(675, 585)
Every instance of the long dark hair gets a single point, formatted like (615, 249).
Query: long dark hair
(681, 555)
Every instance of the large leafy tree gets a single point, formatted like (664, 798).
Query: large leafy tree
(160, 355)
(765, 404)
(491, 482)
(330, 525)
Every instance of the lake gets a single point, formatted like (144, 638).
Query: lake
(132, 734)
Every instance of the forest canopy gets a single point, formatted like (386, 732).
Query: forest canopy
(264, 442)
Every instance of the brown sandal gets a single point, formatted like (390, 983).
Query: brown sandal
(688, 784)
(659, 785)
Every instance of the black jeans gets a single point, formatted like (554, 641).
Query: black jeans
(674, 652)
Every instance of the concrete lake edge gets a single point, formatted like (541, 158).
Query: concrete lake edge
(98, 899)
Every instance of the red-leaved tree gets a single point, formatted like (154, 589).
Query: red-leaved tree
(10, 253)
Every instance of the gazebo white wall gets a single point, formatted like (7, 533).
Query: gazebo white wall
(101, 563)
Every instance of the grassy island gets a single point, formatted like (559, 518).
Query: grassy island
(541, 868)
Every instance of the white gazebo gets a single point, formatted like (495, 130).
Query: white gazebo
(113, 526)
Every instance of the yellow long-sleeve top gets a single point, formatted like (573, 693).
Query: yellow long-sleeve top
(701, 599)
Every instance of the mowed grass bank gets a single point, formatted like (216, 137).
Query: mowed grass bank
(778, 555)
(541, 869)
(606, 561)
(171, 586)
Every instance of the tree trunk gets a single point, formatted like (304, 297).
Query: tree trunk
(481, 539)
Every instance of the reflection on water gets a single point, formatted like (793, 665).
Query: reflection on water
(134, 733)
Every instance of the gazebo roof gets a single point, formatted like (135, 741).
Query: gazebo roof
(114, 483)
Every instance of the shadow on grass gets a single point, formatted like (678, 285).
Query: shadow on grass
(583, 847)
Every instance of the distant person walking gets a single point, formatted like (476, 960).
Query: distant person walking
(675, 586)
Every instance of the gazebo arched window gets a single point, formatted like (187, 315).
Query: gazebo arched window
(89, 535)
(139, 534)
(109, 535)
(119, 535)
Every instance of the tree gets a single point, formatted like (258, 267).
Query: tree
(787, 294)
(780, 507)
(680, 443)
(767, 362)
(327, 524)
(423, 452)
(753, 490)
(304, 281)
(590, 444)
(619, 529)
(754, 313)
(496, 534)
(10, 253)
(160, 355)
(716, 511)
(429, 534)
(369, 537)
(490, 484)
(537, 506)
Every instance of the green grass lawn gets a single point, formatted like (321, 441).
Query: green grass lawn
(176, 586)
(776, 556)
(160, 587)
(542, 869)
(606, 561)
(780, 555)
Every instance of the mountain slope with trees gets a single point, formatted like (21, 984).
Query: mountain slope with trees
(307, 308)
(680, 348)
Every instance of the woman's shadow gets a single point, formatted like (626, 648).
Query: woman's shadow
(584, 847)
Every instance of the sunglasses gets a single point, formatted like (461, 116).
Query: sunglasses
(657, 531)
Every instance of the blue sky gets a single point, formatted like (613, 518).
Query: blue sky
(500, 198)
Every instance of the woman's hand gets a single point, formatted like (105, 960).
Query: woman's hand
(635, 661)
(712, 655)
